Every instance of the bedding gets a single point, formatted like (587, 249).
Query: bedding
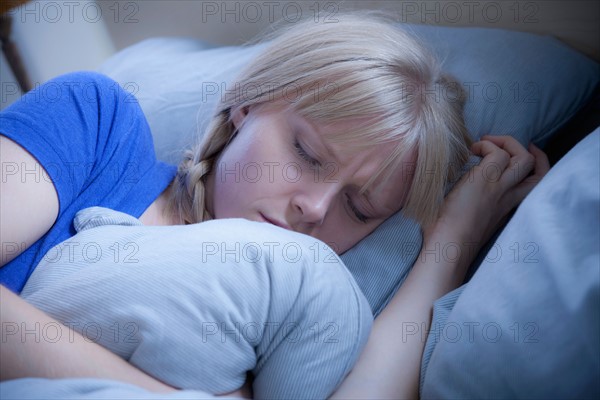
(527, 324)
(518, 84)
(197, 306)
(521, 84)
(89, 389)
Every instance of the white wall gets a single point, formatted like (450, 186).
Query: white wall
(58, 36)
(55, 37)
(9, 90)
(234, 21)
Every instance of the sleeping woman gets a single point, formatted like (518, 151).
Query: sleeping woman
(365, 123)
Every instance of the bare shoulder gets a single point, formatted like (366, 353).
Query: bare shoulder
(28, 201)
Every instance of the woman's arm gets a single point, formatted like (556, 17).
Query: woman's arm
(389, 366)
(28, 200)
(28, 208)
(26, 352)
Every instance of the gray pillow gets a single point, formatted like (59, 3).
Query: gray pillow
(527, 324)
(519, 84)
(197, 306)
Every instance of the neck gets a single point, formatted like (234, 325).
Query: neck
(158, 214)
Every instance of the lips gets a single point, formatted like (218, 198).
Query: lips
(274, 222)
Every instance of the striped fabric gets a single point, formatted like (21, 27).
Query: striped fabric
(89, 389)
(197, 306)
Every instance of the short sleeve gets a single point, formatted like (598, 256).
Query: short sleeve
(78, 126)
(93, 140)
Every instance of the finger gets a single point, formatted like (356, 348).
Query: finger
(508, 143)
(521, 167)
(522, 162)
(542, 164)
(492, 168)
(490, 153)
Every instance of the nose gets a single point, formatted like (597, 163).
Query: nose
(314, 203)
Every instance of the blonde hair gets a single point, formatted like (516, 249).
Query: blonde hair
(363, 68)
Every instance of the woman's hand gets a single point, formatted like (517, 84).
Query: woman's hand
(485, 196)
(471, 213)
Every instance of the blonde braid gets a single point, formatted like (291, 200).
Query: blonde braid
(188, 194)
(192, 172)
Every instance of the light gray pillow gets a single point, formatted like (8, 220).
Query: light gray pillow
(197, 306)
(518, 84)
(527, 325)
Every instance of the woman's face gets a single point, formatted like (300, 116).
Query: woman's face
(282, 170)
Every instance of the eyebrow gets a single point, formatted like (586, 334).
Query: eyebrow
(313, 129)
(366, 192)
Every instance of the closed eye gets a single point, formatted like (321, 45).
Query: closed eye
(360, 216)
(304, 155)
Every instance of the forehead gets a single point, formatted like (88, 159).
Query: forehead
(355, 161)
(389, 190)
(358, 162)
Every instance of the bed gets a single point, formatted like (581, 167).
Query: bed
(525, 323)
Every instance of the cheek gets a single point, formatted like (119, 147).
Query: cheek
(342, 234)
(228, 183)
(341, 242)
(224, 197)
(242, 177)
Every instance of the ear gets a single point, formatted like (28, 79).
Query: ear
(238, 115)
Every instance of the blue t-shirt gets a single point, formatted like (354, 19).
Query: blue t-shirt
(93, 140)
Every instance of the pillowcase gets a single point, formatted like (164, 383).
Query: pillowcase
(527, 324)
(197, 306)
(518, 84)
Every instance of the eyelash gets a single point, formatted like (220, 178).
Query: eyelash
(304, 155)
(361, 217)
